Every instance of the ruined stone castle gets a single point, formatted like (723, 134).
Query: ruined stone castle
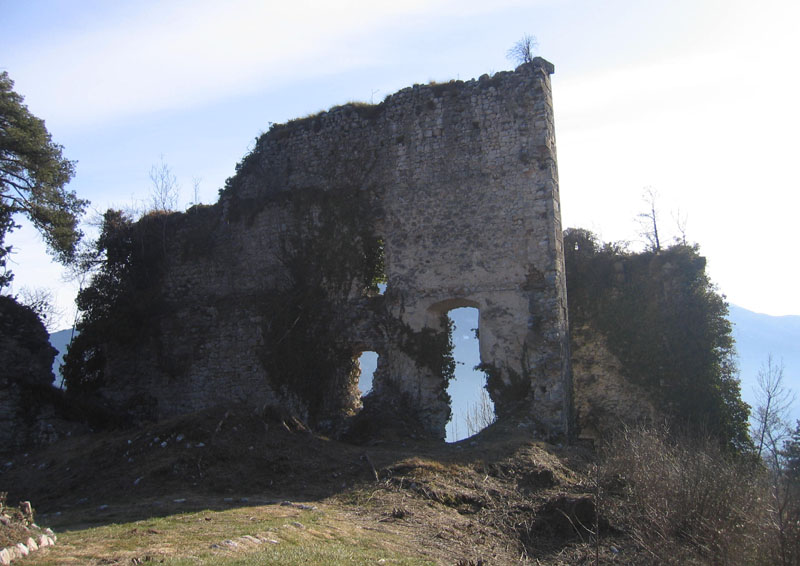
(446, 193)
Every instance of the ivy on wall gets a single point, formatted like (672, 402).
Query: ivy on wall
(431, 349)
(119, 304)
(506, 396)
(330, 256)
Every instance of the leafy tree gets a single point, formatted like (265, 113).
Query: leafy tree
(791, 450)
(33, 176)
(127, 262)
(6, 225)
(785, 485)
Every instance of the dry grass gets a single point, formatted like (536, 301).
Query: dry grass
(271, 534)
(170, 492)
(418, 502)
(684, 501)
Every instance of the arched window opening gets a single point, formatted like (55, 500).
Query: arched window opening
(367, 363)
(471, 407)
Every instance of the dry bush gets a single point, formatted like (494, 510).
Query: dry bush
(783, 528)
(480, 414)
(684, 495)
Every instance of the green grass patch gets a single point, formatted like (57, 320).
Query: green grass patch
(269, 534)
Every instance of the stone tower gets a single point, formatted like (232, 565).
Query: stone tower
(454, 186)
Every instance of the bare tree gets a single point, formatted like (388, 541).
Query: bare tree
(523, 50)
(40, 300)
(648, 220)
(681, 220)
(480, 414)
(195, 191)
(164, 195)
(773, 435)
(164, 189)
(774, 401)
(454, 432)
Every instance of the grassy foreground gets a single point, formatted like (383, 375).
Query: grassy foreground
(219, 487)
(266, 534)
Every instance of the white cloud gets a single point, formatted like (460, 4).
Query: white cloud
(695, 98)
(715, 132)
(171, 55)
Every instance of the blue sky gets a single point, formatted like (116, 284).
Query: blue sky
(697, 99)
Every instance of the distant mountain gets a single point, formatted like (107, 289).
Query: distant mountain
(60, 340)
(759, 335)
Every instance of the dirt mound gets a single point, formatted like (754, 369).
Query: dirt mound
(495, 497)
(212, 452)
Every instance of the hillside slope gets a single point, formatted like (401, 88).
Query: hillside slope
(490, 500)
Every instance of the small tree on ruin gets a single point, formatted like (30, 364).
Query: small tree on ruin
(523, 50)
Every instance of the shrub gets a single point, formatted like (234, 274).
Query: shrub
(688, 495)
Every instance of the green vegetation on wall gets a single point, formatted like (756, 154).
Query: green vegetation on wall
(123, 297)
(665, 321)
(507, 396)
(431, 349)
(330, 257)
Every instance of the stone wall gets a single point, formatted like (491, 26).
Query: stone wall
(454, 185)
(605, 399)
